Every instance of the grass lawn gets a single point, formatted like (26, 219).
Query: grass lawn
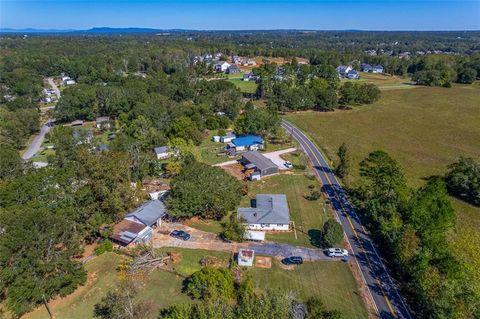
(424, 129)
(209, 150)
(244, 86)
(384, 81)
(332, 281)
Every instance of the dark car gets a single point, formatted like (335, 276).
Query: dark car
(180, 234)
(294, 260)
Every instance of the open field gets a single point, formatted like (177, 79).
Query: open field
(424, 129)
(332, 281)
(244, 86)
(384, 81)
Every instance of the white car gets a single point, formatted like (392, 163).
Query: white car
(337, 252)
(287, 164)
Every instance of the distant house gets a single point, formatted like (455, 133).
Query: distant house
(221, 66)
(236, 59)
(162, 152)
(227, 138)
(246, 142)
(150, 213)
(233, 69)
(245, 257)
(269, 212)
(129, 232)
(250, 77)
(249, 62)
(352, 74)
(366, 67)
(69, 82)
(259, 163)
(342, 70)
(103, 122)
(377, 69)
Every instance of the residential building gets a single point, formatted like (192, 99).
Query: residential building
(352, 74)
(377, 69)
(150, 213)
(366, 67)
(342, 70)
(259, 163)
(246, 143)
(129, 232)
(233, 69)
(227, 138)
(102, 122)
(269, 212)
(162, 152)
(221, 66)
(245, 257)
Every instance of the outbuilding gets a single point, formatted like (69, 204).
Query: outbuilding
(245, 257)
(129, 232)
(258, 162)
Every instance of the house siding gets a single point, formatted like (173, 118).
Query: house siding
(268, 227)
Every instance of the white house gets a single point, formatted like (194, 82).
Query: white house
(269, 212)
(245, 257)
(162, 152)
(69, 82)
(342, 70)
(222, 66)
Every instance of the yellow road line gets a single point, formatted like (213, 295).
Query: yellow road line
(389, 305)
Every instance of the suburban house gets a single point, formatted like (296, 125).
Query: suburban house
(269, 212)
(233, 69)
(352, 74)
(227, 138)
(246, 143)
(236, 59)
(377, 69)
(162, 152)
(261, 165)
(342, 70)
(150, 213)
(222, 66)
(366, 68)
(128, 232)
(102, 122)
(245, 257)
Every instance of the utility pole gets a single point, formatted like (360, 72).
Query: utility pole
(46, 306)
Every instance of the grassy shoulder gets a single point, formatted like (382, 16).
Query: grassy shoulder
(332, 281)
(425, 129)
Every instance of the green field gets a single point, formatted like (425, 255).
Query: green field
(384, 81)
(425, 129)
(331, 281)
(244, 86)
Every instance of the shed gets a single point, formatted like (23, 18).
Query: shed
(245, 257)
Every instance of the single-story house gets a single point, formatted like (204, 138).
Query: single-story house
(129, 232)
(247, 142)
(102, 122)
(222, 66)
(377, 69)
(352, 74)
(245, 257)
(233, 69)
(150, 213)
(342, 70)
(162, 152)
(269, 212)
(227, 138)
(258, 162)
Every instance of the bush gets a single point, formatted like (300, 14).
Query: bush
(104, 246)
(211, 284)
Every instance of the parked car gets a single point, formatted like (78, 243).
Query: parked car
(288, 164)
(180, 234)
(337, 252)
(293, 260)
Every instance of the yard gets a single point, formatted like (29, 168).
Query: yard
(384, 81)
(244, 86)
(424, 129)
(331, 281)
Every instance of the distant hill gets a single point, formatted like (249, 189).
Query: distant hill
(97, 30)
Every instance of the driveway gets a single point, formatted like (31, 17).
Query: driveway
(209, 241)
(275, 157)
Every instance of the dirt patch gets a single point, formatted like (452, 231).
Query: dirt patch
(263, 262)
(213, 262)
(236, 170)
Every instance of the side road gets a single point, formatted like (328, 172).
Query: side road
(209, 241)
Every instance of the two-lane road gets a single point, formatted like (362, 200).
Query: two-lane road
(387, 301)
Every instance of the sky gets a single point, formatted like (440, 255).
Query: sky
(243, 15)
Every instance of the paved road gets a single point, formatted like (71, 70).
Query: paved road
(37, 141)
(209, 241)
(388, 302)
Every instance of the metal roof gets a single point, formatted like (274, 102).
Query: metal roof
(149, 212)
(260, 161)
(248, 140)
(161, 149)
(270, 209)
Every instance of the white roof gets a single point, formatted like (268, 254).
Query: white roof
(255, 235)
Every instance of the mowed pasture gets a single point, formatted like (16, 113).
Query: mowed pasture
(425, 129)
(331, 281)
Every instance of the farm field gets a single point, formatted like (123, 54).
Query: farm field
(331, 281)
(425, 129)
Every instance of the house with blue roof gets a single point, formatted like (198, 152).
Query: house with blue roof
(246, 143)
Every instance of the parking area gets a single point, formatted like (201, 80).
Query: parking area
(277, 159)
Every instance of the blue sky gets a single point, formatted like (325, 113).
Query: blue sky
(237, 15)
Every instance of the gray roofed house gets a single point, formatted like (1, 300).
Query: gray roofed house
(261, 164)
(162, 152)
(149, 213)
(268, 212)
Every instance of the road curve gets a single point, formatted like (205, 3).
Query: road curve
(387, 301)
